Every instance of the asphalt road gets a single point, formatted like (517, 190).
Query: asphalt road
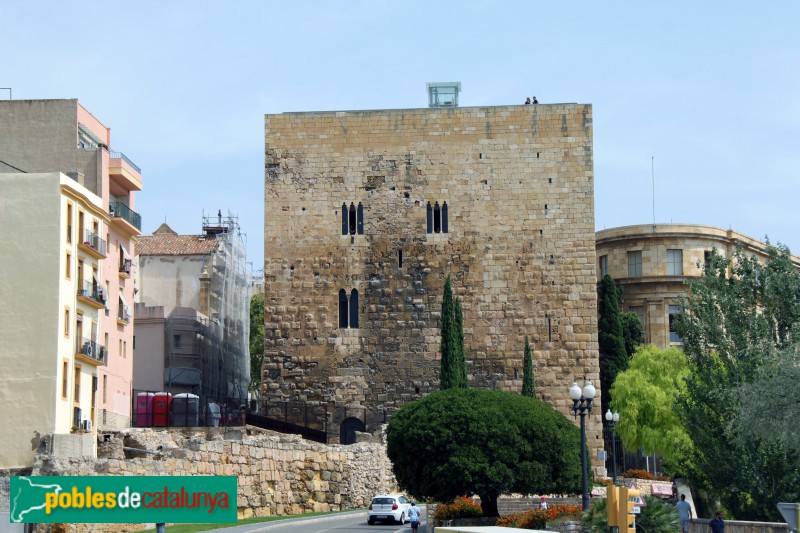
(334, 523)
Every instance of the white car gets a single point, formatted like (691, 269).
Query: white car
(385, 507)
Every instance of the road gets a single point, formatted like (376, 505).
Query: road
(335, 523)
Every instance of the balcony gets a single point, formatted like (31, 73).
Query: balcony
(123, 315)
(125, 268)
(92, 244)
(124, 172)
(91, 352)
(92, 295)
(126, 218)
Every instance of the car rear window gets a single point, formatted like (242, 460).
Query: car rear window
(383, 501)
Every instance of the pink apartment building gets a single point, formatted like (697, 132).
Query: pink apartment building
(62, 136)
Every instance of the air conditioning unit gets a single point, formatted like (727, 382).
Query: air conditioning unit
(87, 349)
(87, 425)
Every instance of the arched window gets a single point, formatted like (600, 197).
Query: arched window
(354, 309)
(430, 219)
(352, 219)
(444, 217)
(360, 219)
(344, 219)
(342, 309)
(437, 218)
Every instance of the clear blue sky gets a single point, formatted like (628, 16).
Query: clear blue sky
(708, 89)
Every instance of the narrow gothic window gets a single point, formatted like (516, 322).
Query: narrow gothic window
(342, 309)
(444, 217)
(344, 219)
(400, 258)
(352, 218)
(430, 219)
(437, 218)
(360, 218)
(354, 309)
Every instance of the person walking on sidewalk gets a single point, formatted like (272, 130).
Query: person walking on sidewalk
(684, 513)
(413, 514)
(717, 525)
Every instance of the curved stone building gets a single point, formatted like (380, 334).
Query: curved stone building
(653, 262)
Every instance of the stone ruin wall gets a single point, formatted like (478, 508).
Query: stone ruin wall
(518, 182)
(277, 474)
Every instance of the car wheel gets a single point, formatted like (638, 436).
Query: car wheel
(402, 518)
(370, 521)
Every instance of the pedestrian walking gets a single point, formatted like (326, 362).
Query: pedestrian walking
(413, 514)
(684, 513)
(543, 503)
(718, 524)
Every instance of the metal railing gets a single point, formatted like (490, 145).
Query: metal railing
(118, 209)
(94, 241)
(124, 314)
(120, 155)
(159, 409)
(125, 266)
(92, 349)
(92, 291)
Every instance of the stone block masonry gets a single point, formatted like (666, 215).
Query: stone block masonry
(277, 474)
(367, 212)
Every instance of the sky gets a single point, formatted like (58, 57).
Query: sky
(695, 104)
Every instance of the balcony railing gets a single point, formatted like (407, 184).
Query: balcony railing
(118, 209)
(92, 291)
(123, 315)
(120, 155)
(125, 267)
(91, 349)
(93, 241)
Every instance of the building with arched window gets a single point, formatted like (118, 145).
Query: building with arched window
(367, 213)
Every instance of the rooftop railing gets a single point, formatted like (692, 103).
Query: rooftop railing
(120, 155)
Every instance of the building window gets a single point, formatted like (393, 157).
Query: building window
(352, 219)
(674, 311)
(69, 222)
(603, 266)
(66, 322)
(437, 218)
(176, 341)
(675, 262)
(64, 379)
(706, 259)
(639, 312)
(635, 264)
(68, 271)
(348, 309)
(105, 388)
(77, 396)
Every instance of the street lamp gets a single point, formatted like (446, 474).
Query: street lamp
(581, 403)
(612, 420)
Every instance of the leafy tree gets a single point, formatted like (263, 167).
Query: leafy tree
(471, 441)
(645, 396)
(460, 360)
(632, 332)
(448, 346)
(256, 340)
(528, 386)
(613, 357)
(740, 313)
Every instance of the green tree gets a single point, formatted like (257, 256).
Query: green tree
(256, 340)
(738, 315)
(460, 361)
(484, 442)
(448, 346)
(528, 386)
(613, 357)
(645, 395)
(632, 332)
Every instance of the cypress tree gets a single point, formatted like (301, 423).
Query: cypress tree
(528, 387)
(460, 361)
(613, 356)
(448, 378)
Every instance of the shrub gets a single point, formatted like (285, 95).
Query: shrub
(637, 473)
(538, 519)
(596, 518)
(460, 507)
(658, 517)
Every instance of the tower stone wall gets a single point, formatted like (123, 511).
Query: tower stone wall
(519, 246)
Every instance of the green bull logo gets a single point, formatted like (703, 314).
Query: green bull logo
(123, 499)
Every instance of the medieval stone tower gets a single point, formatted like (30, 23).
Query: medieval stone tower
(367, 212)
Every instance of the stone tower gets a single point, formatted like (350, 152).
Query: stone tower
(367, 212)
